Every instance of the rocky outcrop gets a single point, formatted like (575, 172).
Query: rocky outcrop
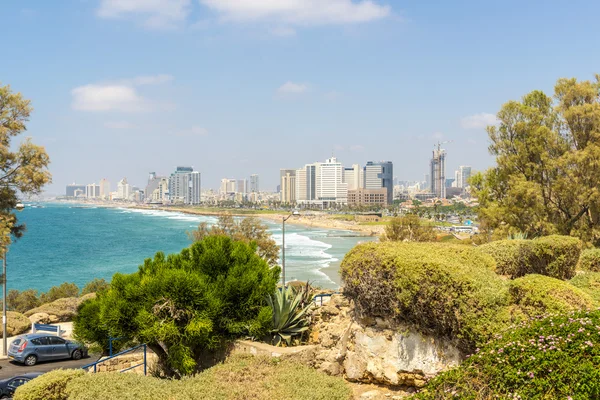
(373, 350)
(16, 323)
(60, 310)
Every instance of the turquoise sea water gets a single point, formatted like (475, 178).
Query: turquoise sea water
(67, 243)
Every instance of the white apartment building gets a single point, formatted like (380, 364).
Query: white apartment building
(330, 186)
(123, 189)
(353, 176)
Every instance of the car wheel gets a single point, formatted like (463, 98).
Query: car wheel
(30, 360)
(76, 355)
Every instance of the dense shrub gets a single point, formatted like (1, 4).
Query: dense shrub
(187, 307)
(557, 357)
(589, 282)
(538, 294)
(95, 286)
(22, 301)
(555, 256)
(65, 289)
(448, 290)
(589, 260)
(64, 309)
(241, 377)
(50, 386)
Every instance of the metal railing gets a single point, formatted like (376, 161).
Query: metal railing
(320, 296)
(144, 363)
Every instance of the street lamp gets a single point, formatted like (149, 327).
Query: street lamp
(283, 219)
(18, 207)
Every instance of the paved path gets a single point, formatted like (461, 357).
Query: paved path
(9, 368)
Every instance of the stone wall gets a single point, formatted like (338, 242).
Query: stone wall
(124, 361)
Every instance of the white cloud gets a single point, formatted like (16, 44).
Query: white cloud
(194, 131)
(155, 14)
(119, 125)
(290, 88)
(478, 121)
(107, 98)
(116, 96)
(299, 12)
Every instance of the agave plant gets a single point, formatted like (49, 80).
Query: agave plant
(289, 315)
(517, 236)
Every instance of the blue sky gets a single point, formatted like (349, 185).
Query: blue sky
(236, 87)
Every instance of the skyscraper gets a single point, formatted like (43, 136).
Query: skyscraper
(92, 191)
(438, 173)
(379, 175)
(462, 176)
(241, 186)
(353, 176)
(254, 188)
(185, 186)
(154, 183)
(123, 189)
(330, 187)
(287, 178)
(104, 188)
(70, 192)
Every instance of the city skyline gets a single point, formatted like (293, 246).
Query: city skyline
(153, 85)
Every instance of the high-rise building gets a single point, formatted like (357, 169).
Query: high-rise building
(330, 187)
(438, 173)
(153, 186)
(254, 188)
(379, 175)
(123, 189)
(104, 188)
(353, 176)
(427, 182)
(287, 178)
(462, 176)
(241, 186)
(70, 192)
(92, 191)
(185, 186)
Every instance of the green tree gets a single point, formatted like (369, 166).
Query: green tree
(23, 171)
(95, 286)
(186, 306)
(408, 228)
(65, 289)
(548, 165)
(22, 301)
(248, 229)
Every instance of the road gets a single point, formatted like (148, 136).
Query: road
(10, 369)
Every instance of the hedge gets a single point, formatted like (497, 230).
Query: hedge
(555, 256)
(588, 282)
(442, 289)
(589, 260)
(556, 357)
(241, 377)
(538, 294)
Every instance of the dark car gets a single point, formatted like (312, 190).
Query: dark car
(34, 347)
(8, 386)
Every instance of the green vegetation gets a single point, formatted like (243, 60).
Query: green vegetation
(16, 323)
(186, 306)
(63, 309)
(247, 230)
(95, 286)
(408, 228)
(289, 308)
(62, 291)
(538, 294)
(448, 290)
(241, 377)
(22, 172)
(554, 256)
(589, 282)
(589, 260)
(556, 357)
(547, 175)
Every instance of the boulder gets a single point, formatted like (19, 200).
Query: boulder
(16, 323)
(40, 318)
(61, 310)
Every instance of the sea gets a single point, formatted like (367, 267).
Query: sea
(65, 242)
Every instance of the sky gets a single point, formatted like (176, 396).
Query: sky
(121, 88)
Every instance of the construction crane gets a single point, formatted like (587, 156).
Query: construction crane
(439, 144)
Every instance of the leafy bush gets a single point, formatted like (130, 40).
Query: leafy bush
(589, 282)
(408, 228)
(187, 307)
(557, 357)
(554, 256)
(589, 260)
(448, 290)
(538, 294)
(50, 386)
(22, 301)
(65, 289)
(241, 377)
(95, 286)
(289, 316)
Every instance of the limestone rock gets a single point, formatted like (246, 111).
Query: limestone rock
(39, 318)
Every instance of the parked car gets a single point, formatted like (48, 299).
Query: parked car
(8, 386)
(31, 348)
